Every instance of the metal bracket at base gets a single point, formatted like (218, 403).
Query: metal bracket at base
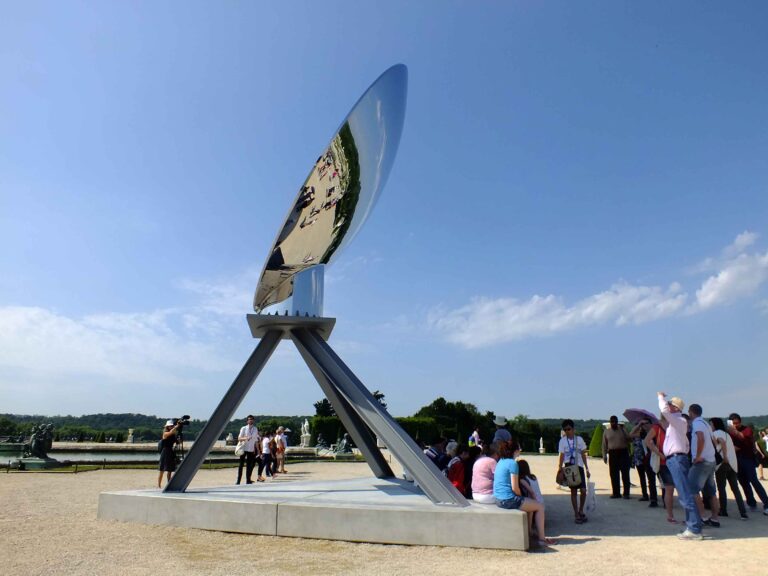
(360, 413)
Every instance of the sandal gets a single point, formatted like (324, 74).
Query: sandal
(671, 520)
(547, 542)
(583, 517)
(579, 520)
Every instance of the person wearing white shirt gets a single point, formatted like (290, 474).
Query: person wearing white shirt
(701, 476)
(728, 468)
(282, 443)
(250, 435)
(676, 452)
(266, 457)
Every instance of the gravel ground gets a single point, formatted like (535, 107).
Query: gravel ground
(49, 526)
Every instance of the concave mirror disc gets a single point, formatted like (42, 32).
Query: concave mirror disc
(345, 181)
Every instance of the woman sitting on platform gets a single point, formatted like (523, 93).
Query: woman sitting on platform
(508, 492)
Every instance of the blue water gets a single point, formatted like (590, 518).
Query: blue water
(118, 456)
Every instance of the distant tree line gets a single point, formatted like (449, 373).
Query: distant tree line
(114, 427)
(454, 420)
(441, 418)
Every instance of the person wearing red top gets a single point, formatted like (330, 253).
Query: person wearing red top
(455, 470)
(744, 443)
(654, 441)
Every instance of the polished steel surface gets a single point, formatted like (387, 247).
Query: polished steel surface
(341, 189)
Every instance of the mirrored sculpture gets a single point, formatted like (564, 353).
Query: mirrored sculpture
(341, 189)
(330, 207)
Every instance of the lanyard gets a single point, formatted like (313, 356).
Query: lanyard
(571, 449)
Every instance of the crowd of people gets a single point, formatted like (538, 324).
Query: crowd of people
(675, 452)
(265, 448)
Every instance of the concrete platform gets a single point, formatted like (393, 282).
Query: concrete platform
(387, 511)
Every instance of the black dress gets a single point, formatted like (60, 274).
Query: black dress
(167, 455)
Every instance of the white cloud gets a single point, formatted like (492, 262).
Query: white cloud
(716, 263)
(485, 321)
(740, 277)
(124, 348)
(230, 297)
(740, 244)
(55, 362)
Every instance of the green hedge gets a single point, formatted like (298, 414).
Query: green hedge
(420, 428)
(596, 445)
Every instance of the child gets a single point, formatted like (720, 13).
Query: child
(530, 486)
(529, 482)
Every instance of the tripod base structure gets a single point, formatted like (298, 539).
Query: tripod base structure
(378, 509)
(360, 413)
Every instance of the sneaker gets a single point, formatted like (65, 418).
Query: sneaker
(688, 535)
(612, 496)
(626, 497)
(765, 510)
(643, 499)
(653, 504)
(724, 513)
(744, 516)
(712, 523)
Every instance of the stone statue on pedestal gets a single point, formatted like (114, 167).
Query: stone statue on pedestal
(40, 441)
(305, 435)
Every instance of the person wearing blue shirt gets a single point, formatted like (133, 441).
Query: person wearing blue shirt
(507, 491)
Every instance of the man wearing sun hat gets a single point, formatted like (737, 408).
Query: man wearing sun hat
(502, 434)
(676, 450)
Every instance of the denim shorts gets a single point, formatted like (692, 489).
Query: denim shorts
(511, 504)
(665, 476)
(701, 478)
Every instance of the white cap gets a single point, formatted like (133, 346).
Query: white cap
(169, 423)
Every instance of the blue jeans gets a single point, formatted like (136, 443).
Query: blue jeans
(679, 465)
(701, 477)
(748, 480)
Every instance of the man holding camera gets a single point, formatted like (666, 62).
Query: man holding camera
(250, 435)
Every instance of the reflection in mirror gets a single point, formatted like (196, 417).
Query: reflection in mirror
(341, 188)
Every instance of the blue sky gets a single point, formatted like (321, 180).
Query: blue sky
(576, 217)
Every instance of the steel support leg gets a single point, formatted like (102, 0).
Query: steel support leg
(430, 480)
(224, 412)
(357, 429)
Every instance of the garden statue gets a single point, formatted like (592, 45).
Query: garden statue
(343, 446)
(40, 441)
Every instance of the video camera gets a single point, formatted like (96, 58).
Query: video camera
(181, 422)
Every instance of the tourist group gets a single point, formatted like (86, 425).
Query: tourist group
(683, 451)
